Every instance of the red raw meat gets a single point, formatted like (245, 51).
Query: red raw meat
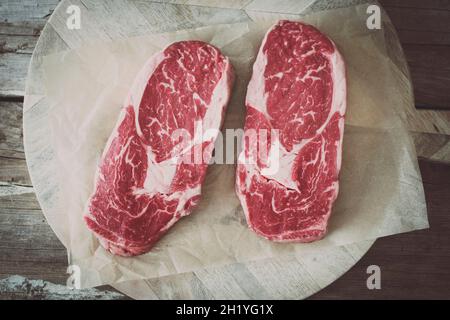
(142, 185)
(298, 87)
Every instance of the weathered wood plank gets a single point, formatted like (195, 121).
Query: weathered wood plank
(27, 243)
(29, 246)
(22, 28)
(20, 25)
(26, 10)
(13, 75)
(50, 265)
(17, 42)
(17, 287)
(14, 177)
(22, 201)
(14, 171)
(11, 139)
(20, 44)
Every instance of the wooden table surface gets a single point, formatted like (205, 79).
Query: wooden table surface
(413, 265)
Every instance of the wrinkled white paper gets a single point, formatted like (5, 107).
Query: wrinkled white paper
(381, 191)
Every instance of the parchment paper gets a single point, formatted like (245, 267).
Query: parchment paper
(380, 194)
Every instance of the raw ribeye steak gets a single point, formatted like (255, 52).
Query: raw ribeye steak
(288, 182)
(144, 183)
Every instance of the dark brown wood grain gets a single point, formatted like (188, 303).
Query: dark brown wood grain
(418, 4)
(413, 265)
(424, 31)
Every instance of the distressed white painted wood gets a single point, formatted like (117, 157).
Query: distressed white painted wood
(17, 287)
(294, 278)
